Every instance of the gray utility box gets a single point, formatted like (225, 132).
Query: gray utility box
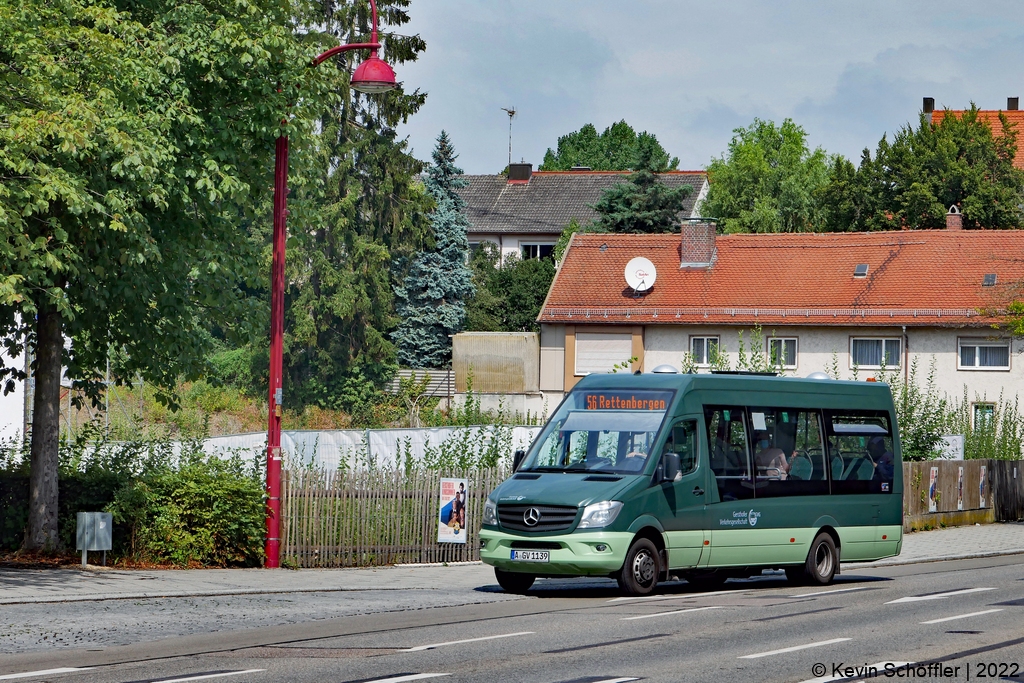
(95, 531)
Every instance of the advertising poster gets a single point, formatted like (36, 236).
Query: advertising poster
(933, 482)
(960, 489)
(451, 523)
(981, 485)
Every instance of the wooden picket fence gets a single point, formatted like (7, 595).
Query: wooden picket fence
(371, 518)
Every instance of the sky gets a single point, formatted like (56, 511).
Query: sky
(691, 72)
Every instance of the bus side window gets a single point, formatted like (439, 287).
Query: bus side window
(683, 441)
(729, 452)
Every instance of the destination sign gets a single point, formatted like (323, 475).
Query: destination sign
(627, 400)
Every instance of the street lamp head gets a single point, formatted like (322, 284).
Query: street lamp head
(374, 76)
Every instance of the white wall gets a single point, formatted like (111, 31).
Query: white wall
(816, 345)
(508, 244)
(12, 406)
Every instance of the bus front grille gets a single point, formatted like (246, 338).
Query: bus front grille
(543, 517)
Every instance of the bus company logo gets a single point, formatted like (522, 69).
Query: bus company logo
(741, 518)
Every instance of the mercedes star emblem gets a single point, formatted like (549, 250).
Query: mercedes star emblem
(531, 517)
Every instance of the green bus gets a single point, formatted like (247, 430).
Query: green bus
(703, 477)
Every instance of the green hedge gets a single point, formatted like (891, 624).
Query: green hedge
(182, 509)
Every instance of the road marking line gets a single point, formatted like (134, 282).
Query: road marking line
(409, 677)
(838, 590)
(662, 614)
(938, 596)
(616, 680)
(795, 648)
(43, 672)
(203, 677)
(961, 616)
(880, 666)
(420, 648)
(676, 597)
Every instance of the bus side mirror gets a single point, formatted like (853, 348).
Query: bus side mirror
(517, 459)
(669, 466)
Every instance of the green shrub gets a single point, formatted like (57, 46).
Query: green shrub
(189, 508)
(201, 510)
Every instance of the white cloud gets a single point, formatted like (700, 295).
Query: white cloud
(690, 72)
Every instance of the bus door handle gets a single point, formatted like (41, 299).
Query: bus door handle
(698, 491)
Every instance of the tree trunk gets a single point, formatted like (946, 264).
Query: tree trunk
(41, 533)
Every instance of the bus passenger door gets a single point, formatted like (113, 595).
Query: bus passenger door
(683, 486)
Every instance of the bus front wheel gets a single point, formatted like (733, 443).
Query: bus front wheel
(514, 582)
(822, 562)
(640, 572)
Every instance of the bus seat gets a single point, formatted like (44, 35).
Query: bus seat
(859, 469)
(801, 468)
(837, 467)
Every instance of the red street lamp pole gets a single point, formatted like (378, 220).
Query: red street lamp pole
(372, 76)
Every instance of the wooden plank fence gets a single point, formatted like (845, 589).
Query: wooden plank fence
(372, 518)
(1001, 499)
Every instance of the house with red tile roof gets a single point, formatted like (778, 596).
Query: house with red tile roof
(855, 301)
(525, 212)
(1012, 113)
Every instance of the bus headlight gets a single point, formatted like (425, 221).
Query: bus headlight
(600, 514)
(490, 513)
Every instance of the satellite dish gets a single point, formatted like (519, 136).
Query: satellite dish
(640, 274)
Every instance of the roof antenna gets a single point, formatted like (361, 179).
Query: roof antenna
(511, 111)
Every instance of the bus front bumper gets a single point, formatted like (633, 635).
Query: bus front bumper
(591, 553)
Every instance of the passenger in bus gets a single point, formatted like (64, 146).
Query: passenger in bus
(769, 459)
(883, 457)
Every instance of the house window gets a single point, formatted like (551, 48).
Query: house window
(874, 353)
(782, 351)
(536, 251)
(703, 350)
(602, 351)
(983, 354)
(983, 414)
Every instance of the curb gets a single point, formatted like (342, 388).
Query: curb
(935, 558)
(204, 594)
(101, 597)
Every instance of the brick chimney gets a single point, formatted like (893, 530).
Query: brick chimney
(954, 219)
(519, 174)
(698, 245)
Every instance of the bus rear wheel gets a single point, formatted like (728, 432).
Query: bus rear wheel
(820, 567)
(513, 582)
(640, 571)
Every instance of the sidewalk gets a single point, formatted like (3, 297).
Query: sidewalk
(75, 585)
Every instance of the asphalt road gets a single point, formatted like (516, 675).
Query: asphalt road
(957, 621)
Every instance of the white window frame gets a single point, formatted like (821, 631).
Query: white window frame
(531, 243)
(979, 341)
(974, 411)
(782, 341)
(705, 337)
(889, 366)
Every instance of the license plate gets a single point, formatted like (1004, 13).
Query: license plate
(530, 556)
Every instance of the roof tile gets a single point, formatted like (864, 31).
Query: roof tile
(915, 278)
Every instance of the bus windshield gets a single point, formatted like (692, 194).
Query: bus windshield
(600, 430)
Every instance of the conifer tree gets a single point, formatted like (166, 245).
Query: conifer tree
(431, 301)
(642, 205)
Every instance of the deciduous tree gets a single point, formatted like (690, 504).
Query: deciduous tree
(134, 147)
(767, 181)
(618, 148)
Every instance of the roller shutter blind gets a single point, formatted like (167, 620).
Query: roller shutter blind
(600, 351)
